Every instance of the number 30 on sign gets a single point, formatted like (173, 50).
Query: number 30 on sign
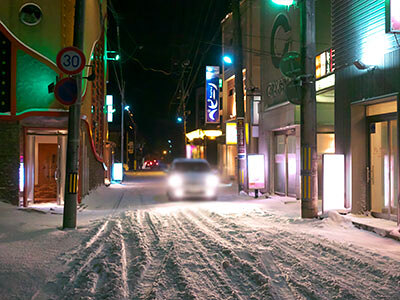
(71, 60)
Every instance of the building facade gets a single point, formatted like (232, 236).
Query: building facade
(365, 38)
(279, 118)
(250, 24)
(33, 123)
(269, 31)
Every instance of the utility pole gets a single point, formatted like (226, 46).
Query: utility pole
(74, 125)
(184, 126)
(309, 159)
(122, 92)
(122, 132)
(238, 62)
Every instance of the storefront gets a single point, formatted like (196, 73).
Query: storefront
(380, 161)
(44, 165)
(203, 144)
(366, 101)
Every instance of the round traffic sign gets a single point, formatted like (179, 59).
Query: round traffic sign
(290, 64)
(66, 91)
(71, 60)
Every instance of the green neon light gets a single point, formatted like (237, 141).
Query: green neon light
(283, 2)
(40, 110)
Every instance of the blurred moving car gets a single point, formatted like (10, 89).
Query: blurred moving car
(191, 178)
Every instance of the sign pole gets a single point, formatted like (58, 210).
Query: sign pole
(74, 124)
(240, 127)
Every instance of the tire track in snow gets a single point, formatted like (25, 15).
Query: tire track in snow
(158, 249)
(124, 262)
(240, 273)
(223, 230)
(316, 248)
(99, 269)
(328, 267)
(202, 264)
(307, 253)
(76, 277)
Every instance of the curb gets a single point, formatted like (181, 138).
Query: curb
(382, 232)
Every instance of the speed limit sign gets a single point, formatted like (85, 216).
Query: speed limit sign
(71, 60)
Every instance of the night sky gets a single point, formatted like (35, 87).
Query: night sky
(156, 38)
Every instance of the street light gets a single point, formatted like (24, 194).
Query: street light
(227, 59)
(283, 2)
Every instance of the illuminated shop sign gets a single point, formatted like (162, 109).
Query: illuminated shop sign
(231, 133)
(333, 181)
(212, 94)
(110, 109)
(392, 15)
(324, 83)
(256, 171)
(117, 172)
(324, 63)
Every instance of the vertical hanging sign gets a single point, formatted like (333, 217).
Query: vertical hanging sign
(392, 16)
(212, 94)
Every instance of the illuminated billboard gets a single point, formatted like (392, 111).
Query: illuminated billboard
(231, 134)
(324, 63)
(392, 15)
(333, 181)
(212, 94)
(256, 171)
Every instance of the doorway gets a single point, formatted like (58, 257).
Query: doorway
(285, 163)
(383, 168)
(45, 166)
(46, 187)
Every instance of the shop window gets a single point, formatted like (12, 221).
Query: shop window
(381, 108)
(327, 96)
(30, 14)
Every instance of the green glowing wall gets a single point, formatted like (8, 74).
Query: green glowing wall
(33, 78)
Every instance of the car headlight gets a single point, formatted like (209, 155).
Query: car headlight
(175, 180)
(212, 181)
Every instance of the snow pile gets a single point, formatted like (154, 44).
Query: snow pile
(336, 219)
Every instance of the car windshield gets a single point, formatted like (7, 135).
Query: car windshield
(191, 167)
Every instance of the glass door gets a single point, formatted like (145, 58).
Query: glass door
(291, 165)
(280, 165)
(383, 167)
(285, 164)
(394, 168)
(60, 173)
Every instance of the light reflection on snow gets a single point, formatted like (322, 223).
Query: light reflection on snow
(218, 207)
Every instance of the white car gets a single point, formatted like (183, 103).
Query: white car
(191, 179)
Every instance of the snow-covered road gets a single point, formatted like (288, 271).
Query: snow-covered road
(131, 243)
(200, 253)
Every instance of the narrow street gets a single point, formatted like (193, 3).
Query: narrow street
(134, 244)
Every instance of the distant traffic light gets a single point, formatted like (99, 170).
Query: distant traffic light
(113, 55)
(179, 119)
